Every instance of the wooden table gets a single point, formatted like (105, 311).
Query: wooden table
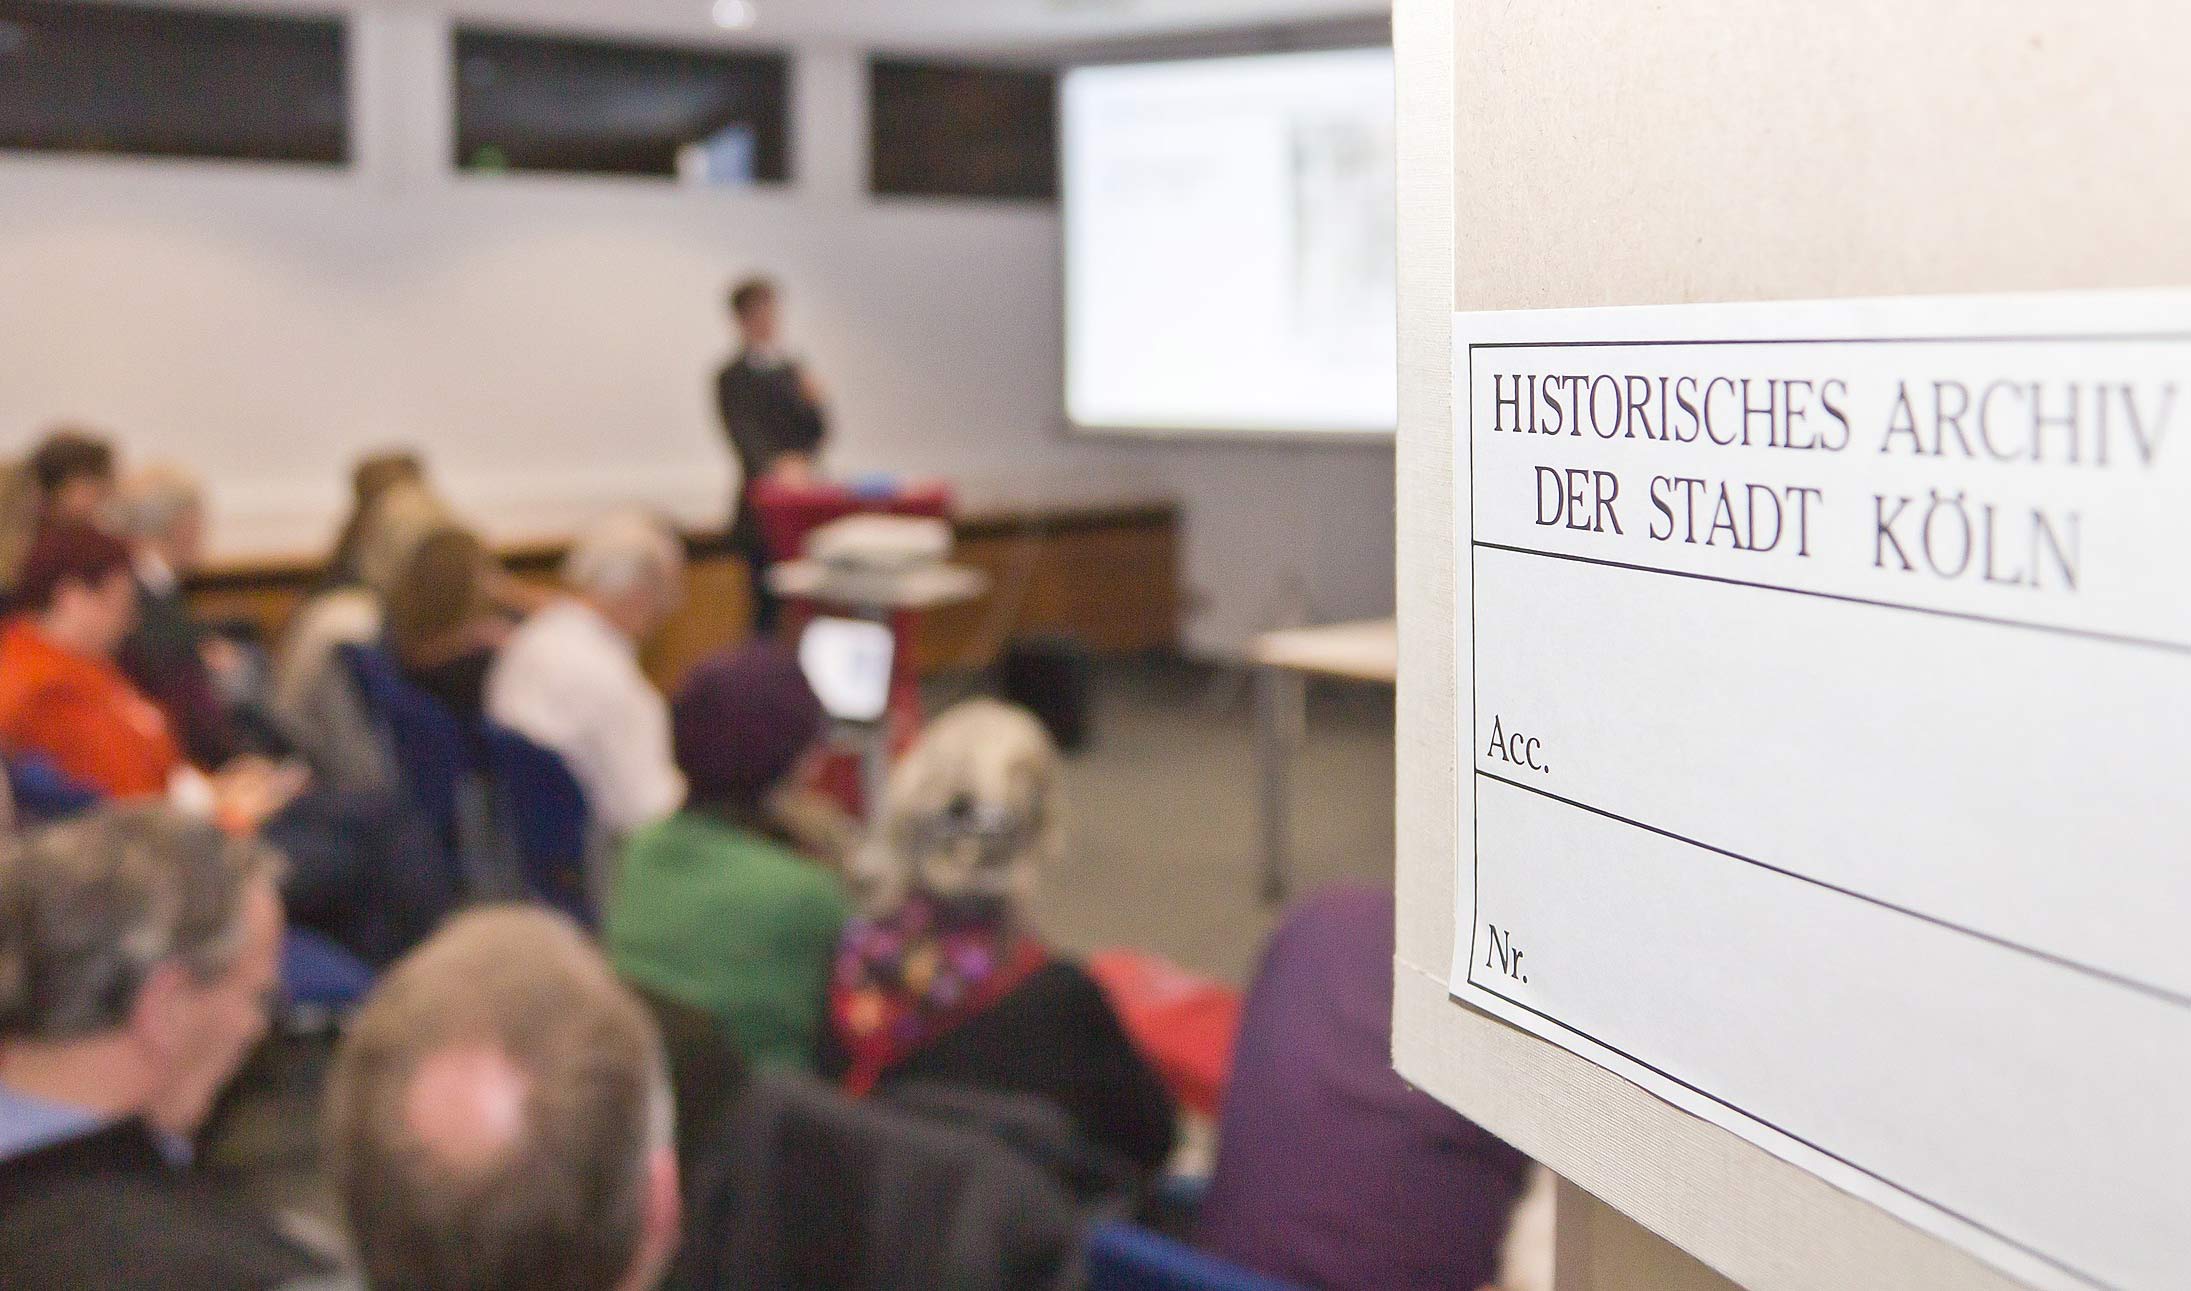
(1367, 652)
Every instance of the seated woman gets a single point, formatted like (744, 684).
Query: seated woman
(949, 982)
(62, 694)
(314, 700)
(372, 479)
(443, 627)
(1331, 1170)
(352, 872)
(715, 908)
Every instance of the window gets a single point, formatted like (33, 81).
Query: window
(100, 78)
(955, 131)
(527, 102)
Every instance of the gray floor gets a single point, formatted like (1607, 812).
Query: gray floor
(1164, 850)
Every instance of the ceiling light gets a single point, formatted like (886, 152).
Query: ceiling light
(735, 15)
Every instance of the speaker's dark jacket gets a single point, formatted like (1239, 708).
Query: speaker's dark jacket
(766, 413)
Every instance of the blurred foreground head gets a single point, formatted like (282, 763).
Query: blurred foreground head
(138, 949)
(499, 1118)
(972, 813)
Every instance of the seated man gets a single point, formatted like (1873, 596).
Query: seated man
(67, 478)
(499, 1118)
(74, 468)
(204, 683)
(137, 952)
(569, 678)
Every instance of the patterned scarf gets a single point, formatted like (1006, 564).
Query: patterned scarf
(905, 980)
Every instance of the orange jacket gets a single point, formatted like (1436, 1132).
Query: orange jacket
(80, 711)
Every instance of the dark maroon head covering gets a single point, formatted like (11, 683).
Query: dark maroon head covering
(64, 553)
(742, 720)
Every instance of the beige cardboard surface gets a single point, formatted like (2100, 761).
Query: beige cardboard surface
(1565, 154)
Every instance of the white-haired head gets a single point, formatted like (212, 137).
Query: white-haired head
(161, 507)
(972, 814)
(631, 567)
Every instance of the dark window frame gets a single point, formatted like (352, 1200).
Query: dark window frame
(934, 158)
(118, 81)
(639, 157)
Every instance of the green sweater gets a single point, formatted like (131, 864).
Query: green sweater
(728, 921)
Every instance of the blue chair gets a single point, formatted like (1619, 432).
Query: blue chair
(540, 811)
(43, 792)
(1124, 1257)
(317, 974)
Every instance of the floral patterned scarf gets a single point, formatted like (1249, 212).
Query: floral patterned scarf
(907, 979)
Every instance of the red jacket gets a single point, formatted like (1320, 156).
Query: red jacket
(81, 712)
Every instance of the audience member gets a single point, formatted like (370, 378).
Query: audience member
(138, 949)
(713, 908)
(314, 698)
(68, 476)
(371, 479)
(569, 677)
(443, 625)
(63, 696)
(75, 471)
(498, 1118)
(204, 682)
(21, 508)
(1403, 1191)
(950, 983)
(356, 871)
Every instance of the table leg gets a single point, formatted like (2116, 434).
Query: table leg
(1279, 697)
(874, 768)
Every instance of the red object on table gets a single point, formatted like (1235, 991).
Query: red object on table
(1183, 1023)
(787, 515)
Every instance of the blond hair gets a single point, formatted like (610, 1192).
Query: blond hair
(975, 809)
(393, 528)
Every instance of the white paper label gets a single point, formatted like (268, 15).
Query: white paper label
(1829, 717)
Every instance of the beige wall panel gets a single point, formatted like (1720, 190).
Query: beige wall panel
(1563, 153)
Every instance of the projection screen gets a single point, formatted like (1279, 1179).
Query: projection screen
(1229, 245)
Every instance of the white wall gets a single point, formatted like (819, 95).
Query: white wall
(550, 341)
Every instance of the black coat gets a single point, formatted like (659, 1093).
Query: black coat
(798, 1188)
(1053, 1037)
(107, 1210)
(766, 413)
(162, 657)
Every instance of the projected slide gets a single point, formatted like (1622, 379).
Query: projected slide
(1229, 230)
